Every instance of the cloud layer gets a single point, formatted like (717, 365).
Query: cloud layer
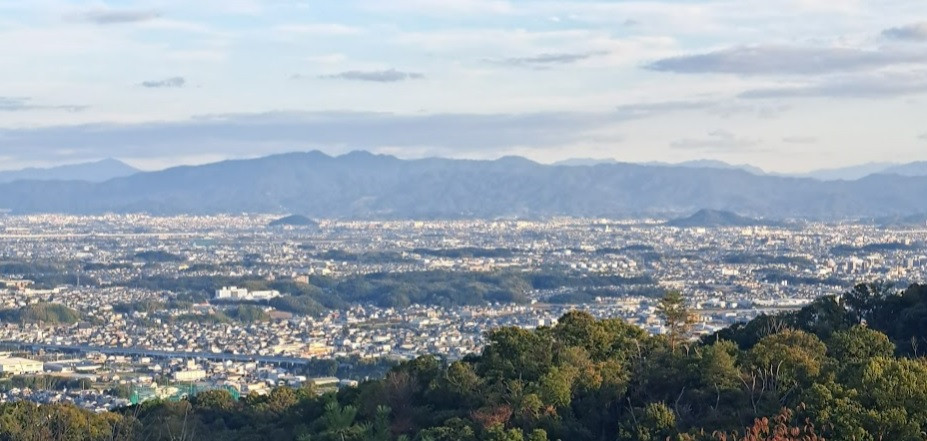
(22, 104)
(545, 61)
(913, 32)
(634, 80)
(376, 76)
(786, 60)
(115, 17)
(242, 134)
(863, 86)
(167, 83)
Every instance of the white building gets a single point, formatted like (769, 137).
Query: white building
(236, 293)
(188, 375)
(231, 292)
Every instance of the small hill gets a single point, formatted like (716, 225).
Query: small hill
(45, 313)
(717, 218)
(248, 314)
(295, 220)
(158, 256)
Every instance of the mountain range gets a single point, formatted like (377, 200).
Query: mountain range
(98, 171)
(364, 185)
(829, 174)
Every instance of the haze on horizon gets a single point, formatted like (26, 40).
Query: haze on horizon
(785, 85)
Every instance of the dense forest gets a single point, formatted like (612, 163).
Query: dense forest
(843, 368)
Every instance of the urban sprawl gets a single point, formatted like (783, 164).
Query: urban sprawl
(104, 311)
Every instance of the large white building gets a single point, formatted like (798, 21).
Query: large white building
(20, 366)
(236, 293)
(188, 375)
(232, 293)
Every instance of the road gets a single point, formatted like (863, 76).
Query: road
(141, 352)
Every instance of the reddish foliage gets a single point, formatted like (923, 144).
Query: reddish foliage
(780, 428)
(492, 416)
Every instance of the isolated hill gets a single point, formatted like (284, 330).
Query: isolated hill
(717, 218)
(45, 313)
(91, 172)
(295, 220)
(363, 185)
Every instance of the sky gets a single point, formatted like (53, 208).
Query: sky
(786, 85)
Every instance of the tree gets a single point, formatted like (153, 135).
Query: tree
(859, 344)
(864, 299)
(339, 421)
(781, 363)
(516, 353)
(454, 429)
(780, 428)
(557, 386)
(718, 368)
(219, 399)
(537, 435)
(657, 422)
(677, 318)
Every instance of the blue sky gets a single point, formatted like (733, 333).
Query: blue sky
(787, 85)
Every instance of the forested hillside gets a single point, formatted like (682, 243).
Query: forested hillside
(847, 368)
(364, 185)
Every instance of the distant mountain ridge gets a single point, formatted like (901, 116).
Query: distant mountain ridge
(364, 185)
(700, 163)
(98, 171)
(909, 169)
(850, 173)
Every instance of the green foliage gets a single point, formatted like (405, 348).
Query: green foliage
(158, 256)
(56, 422)
(588, 380)
(146, 306)
(398, 289)
(248, 314)
(44, 313)
(677, 318)
(859, 344)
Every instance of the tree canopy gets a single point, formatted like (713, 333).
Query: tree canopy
(837, 370)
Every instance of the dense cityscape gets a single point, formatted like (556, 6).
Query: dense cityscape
(105, 311)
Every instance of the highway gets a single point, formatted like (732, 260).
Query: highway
(141, 352)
